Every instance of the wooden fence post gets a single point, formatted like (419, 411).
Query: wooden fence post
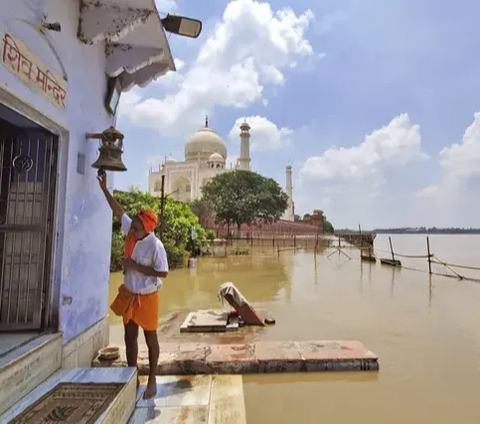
(391, 248)
(429, 256)
(361, 239)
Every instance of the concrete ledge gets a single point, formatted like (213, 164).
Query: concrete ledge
(251, 358)
(117, 412)
(79, 351)
(26, 367)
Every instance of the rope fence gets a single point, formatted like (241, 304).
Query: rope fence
(430, 258)
(279, 244)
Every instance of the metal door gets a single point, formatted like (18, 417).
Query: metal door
(27, 198)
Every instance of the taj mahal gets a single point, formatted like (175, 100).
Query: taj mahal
(205, 157)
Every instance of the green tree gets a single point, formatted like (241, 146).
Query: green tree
(297, 218)
(203, 209)
(178, 217)
(327, 227)
(243, 197)
(306, 217)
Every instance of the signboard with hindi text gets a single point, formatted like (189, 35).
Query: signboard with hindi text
(26, 66)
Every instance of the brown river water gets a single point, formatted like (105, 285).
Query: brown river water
(425, 330)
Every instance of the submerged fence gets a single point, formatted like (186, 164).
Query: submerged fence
(430, 258)
(320, 244)
(433, 264)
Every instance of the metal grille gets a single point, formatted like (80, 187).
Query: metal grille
(27, 193)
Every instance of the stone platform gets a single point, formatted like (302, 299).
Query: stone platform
(256, 357)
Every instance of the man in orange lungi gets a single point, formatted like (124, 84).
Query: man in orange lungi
(138, 299)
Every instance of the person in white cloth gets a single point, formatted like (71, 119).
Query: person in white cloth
(138, 299)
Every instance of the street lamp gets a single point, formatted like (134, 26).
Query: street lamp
(181, 25)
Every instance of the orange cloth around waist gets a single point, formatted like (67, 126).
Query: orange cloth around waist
(140, 308)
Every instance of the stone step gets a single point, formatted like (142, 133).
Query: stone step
(205, 399)
(28, 366)
(119, 408)
(185, 358)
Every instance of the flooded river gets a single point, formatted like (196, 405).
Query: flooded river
(425, 331)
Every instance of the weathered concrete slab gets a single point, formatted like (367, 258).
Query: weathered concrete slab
(176, 391)
(227, 402)
(217, 399)
(204, 321)
(256, 357)
(170, 415)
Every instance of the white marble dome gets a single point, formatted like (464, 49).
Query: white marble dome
(216, 157)
(204, 143)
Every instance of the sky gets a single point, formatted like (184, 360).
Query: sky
(375, 104)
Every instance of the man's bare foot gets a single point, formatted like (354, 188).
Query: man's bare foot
(151, 389)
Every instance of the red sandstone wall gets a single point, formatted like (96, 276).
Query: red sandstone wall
(280, 227)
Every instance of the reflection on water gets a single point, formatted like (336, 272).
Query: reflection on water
(425, 331)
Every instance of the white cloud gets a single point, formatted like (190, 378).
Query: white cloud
(248, 49)
(459, 162)
(172, 79)
(166, 6)
(462, 160)
(428, 192)
(395, 144)
(264, 134)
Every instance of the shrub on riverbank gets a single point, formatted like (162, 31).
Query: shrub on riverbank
(179, 220)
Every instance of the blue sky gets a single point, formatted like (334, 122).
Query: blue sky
(373, 103)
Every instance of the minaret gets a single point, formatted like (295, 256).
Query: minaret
(244, 160)
(289, 216)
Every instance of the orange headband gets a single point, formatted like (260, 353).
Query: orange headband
(149, 219)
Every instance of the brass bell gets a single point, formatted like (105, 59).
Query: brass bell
(110, 150)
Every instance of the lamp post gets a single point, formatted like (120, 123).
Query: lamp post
(162, 206)
(163, 198)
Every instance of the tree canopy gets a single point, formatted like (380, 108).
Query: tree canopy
(178, 221)
(327, 227)
(244, 197)
(203, 209)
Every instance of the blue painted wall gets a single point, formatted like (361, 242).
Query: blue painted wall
(83, 224)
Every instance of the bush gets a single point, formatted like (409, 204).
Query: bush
(116, 259)
(177, 257)
(179, 219)
(210, 235)
(239, 251)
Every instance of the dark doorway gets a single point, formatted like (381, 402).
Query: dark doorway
(28, 167)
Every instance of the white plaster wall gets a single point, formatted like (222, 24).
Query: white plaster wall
(83, 225)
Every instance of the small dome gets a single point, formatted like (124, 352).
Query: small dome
(216, 157)
(203, 144)
(170, 159)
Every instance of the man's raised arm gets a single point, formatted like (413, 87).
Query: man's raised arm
(114, 205)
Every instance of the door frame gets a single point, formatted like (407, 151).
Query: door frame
(50, 315)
